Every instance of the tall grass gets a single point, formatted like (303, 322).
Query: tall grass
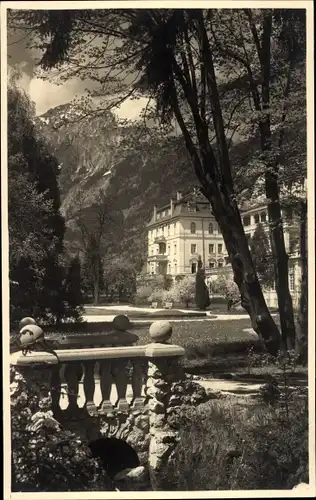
(227, 447)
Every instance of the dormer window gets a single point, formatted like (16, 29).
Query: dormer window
(193, 228)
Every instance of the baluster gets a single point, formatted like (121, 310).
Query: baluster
(137, 383)
(105, 386)
(73, 372)
(56, 390)
(121, 381)
(89, 386)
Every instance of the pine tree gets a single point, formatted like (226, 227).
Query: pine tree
(73, 288)
(202, 297)
(262, 256)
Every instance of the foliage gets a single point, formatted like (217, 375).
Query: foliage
(157, 295)
(91, 223)
(120, 281)
(262, 257)
(143, 293)
(36, 227)
(46, 457)
(226, 447)
(215, 72)
(182, 291)
(224, 285)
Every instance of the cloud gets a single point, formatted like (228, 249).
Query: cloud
(131, 108)
(48, 95)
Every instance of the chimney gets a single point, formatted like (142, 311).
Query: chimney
(179, 195)
(155, 212)
(171, 206)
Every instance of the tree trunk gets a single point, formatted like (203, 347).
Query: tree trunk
(252, 299)
(96, 283)
(302, 333)
(279, 253)
(280, 260)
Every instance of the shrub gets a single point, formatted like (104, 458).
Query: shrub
(224, 285)
(45, 456)
(224, 447)
(202, 298)
(156, 296)
(186, 289)
(170, 295)
(142, 294)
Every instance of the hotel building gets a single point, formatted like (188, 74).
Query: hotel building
(183, 230)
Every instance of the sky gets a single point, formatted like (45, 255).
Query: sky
(47, 95)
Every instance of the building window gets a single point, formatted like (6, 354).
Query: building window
(168, 229)
(193, 228)
(168, 249)
(175, 268)
(220, 263)
(211, 248)
(193, 248)
(211, 264)
(175, 248)
(193, 267)
(162, 248)
(273, 286)
(263, 217)
(174, 227)
(220, 248)
(246, 220)
(152, 251)
(211, 228)
(292, 280)
(257, 218)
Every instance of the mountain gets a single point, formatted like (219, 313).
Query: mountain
(138, 168)
(135, 169)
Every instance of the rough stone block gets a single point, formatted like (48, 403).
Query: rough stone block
(156, 406)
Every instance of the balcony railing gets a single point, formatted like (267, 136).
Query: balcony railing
(158, 257)
(160, 239)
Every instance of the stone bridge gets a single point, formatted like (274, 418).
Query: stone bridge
(120, 392)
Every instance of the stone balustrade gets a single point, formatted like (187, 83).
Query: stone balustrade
(122, 367)
(151, 374)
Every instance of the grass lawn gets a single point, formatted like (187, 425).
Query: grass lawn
(211, 346)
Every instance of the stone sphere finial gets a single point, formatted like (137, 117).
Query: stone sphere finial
(26, 321)
(121, 322)
(160, 331)
(29, 334)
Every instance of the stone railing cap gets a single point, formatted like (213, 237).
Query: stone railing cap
(157, 350)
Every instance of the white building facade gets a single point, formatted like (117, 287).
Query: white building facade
(185, 229)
